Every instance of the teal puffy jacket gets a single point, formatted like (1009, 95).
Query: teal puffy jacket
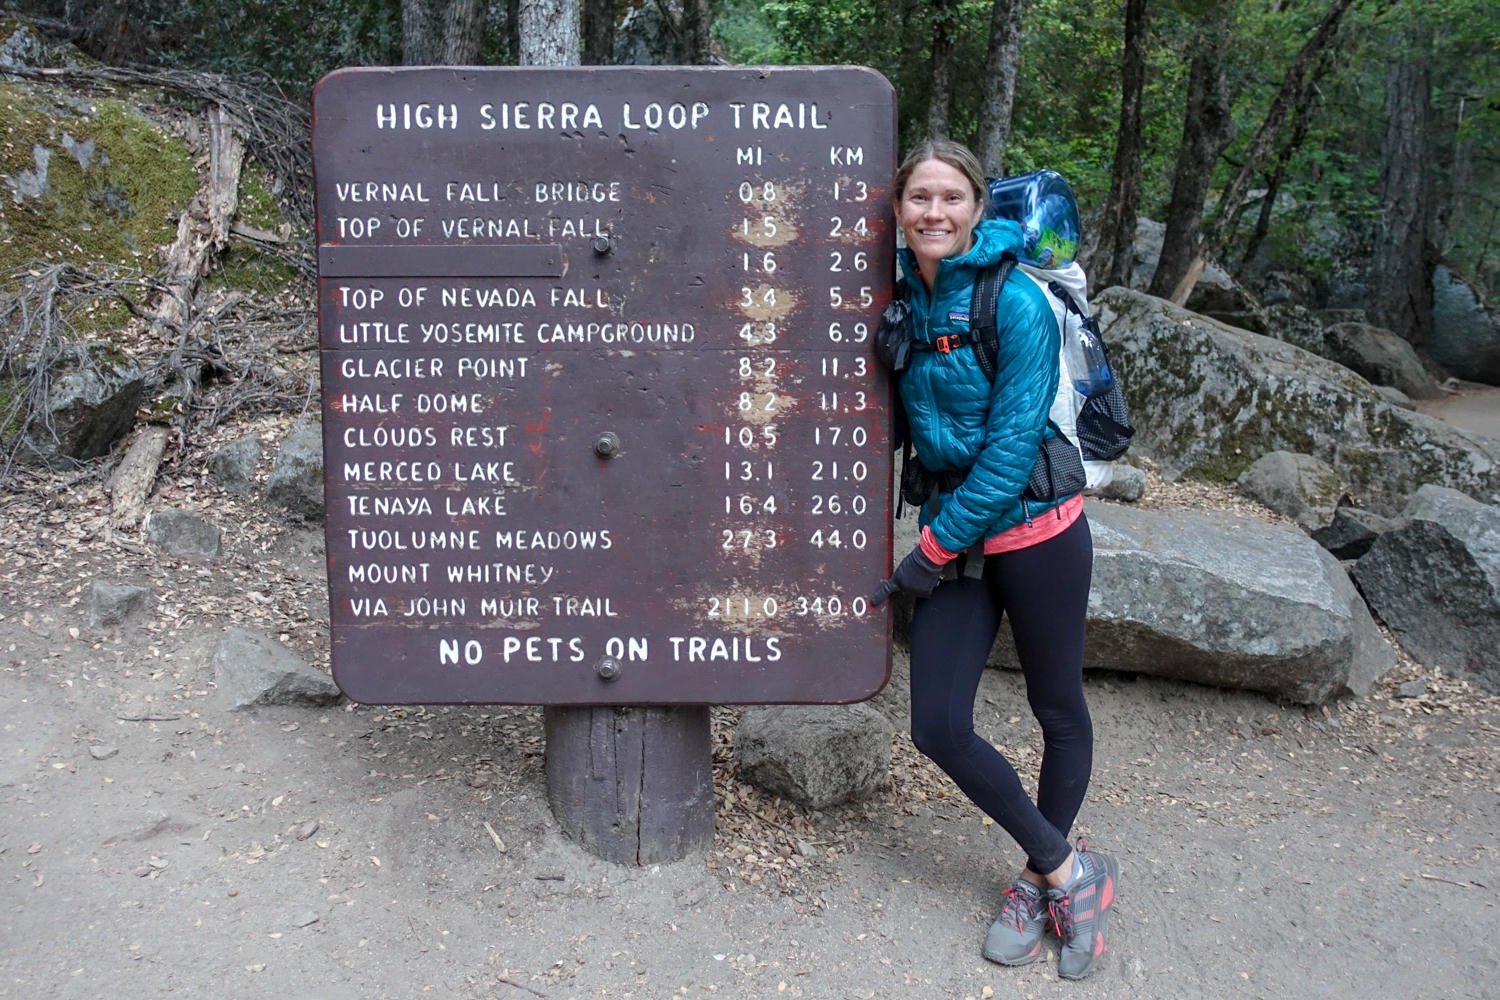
(959, 420)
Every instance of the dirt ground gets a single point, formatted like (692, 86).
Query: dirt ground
(1471, 406)
(155, 844)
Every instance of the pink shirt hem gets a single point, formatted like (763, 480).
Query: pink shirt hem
(1023, 536)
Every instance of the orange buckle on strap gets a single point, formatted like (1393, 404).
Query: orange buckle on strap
(946, 343)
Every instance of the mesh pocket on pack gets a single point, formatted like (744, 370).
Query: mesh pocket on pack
(1103, 425)
(1058, 471)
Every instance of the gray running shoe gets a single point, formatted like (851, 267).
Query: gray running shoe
(1015, 938)
(1080, 912)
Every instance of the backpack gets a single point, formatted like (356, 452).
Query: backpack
(1089, 409)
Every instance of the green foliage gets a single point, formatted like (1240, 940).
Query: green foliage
(743, 30)
(1067, 102)
(292, 44)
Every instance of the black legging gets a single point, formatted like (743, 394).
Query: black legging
(1045, 591)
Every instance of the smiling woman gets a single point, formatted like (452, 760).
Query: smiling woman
(993, 548)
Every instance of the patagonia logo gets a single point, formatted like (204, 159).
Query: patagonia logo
(958, 316)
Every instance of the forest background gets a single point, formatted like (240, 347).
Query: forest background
(1301, 132)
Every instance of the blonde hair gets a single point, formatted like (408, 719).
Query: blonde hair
(955, 154)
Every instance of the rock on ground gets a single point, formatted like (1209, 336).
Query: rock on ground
(1300, 487)
(296, 481)
(1435, 580)
(815, 755)
(113, 604)
(183, 534)
(254, 669)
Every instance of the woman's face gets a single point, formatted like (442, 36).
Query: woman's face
(937, 213)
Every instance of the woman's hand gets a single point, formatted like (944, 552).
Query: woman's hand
(916, 575)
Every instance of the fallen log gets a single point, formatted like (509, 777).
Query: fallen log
(131, 483)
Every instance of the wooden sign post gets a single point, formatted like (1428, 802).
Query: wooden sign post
(602, 426)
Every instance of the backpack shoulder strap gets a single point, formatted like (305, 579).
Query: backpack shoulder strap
(1066, 298)
(982, 307)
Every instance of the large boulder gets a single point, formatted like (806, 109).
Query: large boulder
(1209, 399)
(1435, 580)
(1297, 325)
(1226, 601)
(1215, 293)
(21, 47)
(1286, 288)
(1381, 357)
(648, 36)
(1352, 531)
(1145, 251)
(1342, 336)
(1465, 336)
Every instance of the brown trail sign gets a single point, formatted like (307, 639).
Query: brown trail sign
(601, 420)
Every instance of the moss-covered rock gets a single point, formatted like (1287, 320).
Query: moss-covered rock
(98, 179)
(1208, 400)
(92, 182)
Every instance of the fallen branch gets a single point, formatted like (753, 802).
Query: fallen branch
(133, 479)
(520, 986)
(202, 230)
(1447, 881)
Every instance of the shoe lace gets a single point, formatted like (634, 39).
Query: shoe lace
(1060, 908)
(1020, 906)
(1061, 911)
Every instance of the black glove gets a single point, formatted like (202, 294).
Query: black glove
(916, 575)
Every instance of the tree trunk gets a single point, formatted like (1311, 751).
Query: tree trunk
(441, 32)
(1206, 131)
(549, 33)
(598, 32)
(632, 784)
(463, 32)
(999, 92)
(1299, 80)
(940, 99)
(513, 30)
(695, 38)
(419, 38)
(1278, 173)
(1400, 282)
(1116, 253)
